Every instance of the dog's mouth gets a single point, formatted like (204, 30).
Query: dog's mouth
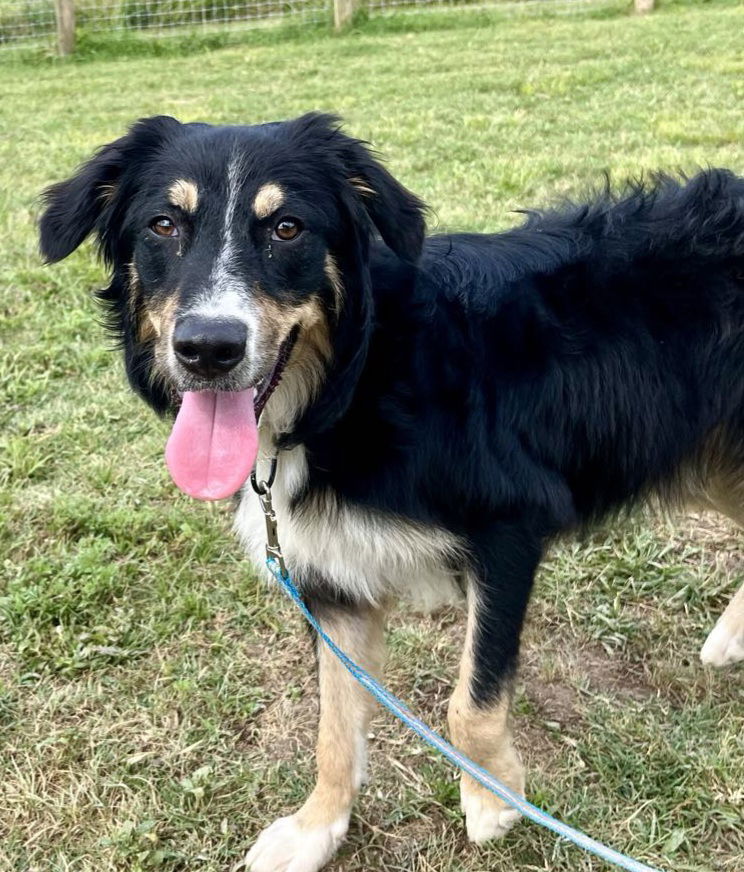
(214, 442)
(269, 383)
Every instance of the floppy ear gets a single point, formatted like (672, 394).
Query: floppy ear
(75, 207)
(351, 335)
(395, 211)
(369, 194)
(397, 214)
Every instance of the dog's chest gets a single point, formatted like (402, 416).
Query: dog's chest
(366, 555)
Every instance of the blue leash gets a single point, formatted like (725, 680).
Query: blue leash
(276, 566)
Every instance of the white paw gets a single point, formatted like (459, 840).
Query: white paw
(723, 646)
(286, 846)
(486, 817)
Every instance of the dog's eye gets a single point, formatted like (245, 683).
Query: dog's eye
(287, 229)
(163, 227)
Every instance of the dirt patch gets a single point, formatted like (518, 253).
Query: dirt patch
(554, 676)
(286, 727)
(604, 672)
(286, 724)
(556, 703)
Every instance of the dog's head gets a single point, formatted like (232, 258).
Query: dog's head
(236, 252)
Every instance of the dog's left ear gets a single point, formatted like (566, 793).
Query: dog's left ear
(396, 212)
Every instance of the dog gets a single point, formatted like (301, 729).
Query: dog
(442, 408)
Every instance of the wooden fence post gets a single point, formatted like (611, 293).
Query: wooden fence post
(644, 6)
(343, 13)
(65, 12)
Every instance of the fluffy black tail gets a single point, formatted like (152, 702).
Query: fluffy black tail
(700, 218)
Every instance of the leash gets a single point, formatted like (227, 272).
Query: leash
(277, 567)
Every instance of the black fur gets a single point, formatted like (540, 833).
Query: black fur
(507, 387)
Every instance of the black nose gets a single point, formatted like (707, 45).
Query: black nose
(209, 346)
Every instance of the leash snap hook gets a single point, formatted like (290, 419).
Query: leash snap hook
(263, 489)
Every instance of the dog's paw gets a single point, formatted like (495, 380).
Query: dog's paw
(486, 816)
(724, 645)
(287, 846)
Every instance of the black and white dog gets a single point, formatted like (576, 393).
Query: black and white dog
(442, 408)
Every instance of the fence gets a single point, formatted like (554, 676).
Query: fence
(24, 22)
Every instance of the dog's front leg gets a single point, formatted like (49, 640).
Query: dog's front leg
(306, 841)
(504, 563)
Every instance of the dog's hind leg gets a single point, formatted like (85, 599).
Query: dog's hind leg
(725, 644)
(306, 840)
(723, 491)
(479, 711)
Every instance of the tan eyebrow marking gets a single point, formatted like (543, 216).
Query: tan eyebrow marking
(184, 194)
(269, 198)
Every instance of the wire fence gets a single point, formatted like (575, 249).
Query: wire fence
(507, 6)
(23, 22)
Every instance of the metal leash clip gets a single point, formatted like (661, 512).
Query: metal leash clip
(263, 490)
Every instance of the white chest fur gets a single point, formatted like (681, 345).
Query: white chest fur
(366, 555)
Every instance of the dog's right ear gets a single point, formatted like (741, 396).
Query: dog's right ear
(75, 207)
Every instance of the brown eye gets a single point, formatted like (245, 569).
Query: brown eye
(164, 227)
(287, 229)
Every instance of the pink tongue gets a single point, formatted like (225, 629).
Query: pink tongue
(214, 442)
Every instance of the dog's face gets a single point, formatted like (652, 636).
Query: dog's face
(227, 264)
(232, 246)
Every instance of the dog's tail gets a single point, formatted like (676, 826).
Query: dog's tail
(698, 219)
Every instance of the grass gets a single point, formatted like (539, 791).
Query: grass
(156, 704)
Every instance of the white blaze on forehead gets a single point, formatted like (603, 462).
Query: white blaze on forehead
(184, 194)
(221, 269)
(226, 295)
(268, 199)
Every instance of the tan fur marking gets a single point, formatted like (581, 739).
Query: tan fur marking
(279, 319)
(735, 610)
(305, 369)
(134, 289)
(184, 194)
(716, 481)
(725, 643)
(268, 199)
(107, 192)
(480, 729)
(158, 318)
(345, 711)
(362, 186)
(333, 274)
(713, 480)
(145, 329)
(483, 733)
(161, 316)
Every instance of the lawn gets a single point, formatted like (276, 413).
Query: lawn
(157, 705)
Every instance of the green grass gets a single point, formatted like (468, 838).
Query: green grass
(157, 706)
